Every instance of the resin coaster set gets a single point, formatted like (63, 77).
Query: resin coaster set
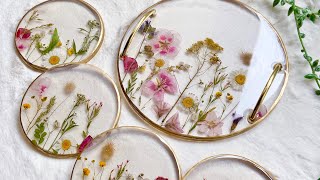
(188, 77)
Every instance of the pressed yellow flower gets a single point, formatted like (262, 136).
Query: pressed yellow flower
(93, 161)
(212, 45)
(26, 106)
(159, 63)
(69, 87)
(218, 94)
(66, 144)
(102, 164)
(142, 68)
(86, 171)
(59, 44)
(108, 151)
(188, 102)
(246, 58)
(70, 51)
(53, 60)
(214, 59)
(43, 99)
(229, 97)
(240, 79)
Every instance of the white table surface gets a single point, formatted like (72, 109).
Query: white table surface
(287, 143)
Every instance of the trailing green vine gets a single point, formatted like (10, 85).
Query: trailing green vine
(301, 15)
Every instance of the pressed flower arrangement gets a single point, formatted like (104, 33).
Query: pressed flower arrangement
(193, 88)
(105, 157)
(59, 113)
(45, 39)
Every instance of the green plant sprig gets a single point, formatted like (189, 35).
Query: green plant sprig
(300, 15)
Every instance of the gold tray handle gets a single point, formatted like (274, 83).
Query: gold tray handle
(277, 67)
(136, 29)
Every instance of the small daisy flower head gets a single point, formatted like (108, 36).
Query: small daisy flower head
(218, 94)
(70, 51)
(66, 145)
(229, 97)
(102, 163)
(54, 57)
(86, 171)
(238, 79)
(158, 63)
(189, 103)
(26, 106)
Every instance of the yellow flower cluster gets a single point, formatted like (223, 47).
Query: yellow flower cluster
(195, 48)
(86, 171)
(212, 45)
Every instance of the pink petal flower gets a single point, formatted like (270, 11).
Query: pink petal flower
(166, 43)
(173, 124)
(87, 142)
(161, 178)
(130, 64)
(161, 108)
(41, 85)
(212, 125)
(23, 33)
(165, 83)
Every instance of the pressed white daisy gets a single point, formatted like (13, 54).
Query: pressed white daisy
(237, 79)
(66, 145)
(158, 63)
(54, 57)
(188, 103)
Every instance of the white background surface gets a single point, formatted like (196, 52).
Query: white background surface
(287, 143)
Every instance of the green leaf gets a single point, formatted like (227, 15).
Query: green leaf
(74, 47)
(317, 69)
(54, 41)
(283, 2)
(308, 58)
(36, 135)
(311, 76)
(41, 140)
(276, 2)
(34, 142)
(312, 18)
(43, 134)
(302, 35)
(318, 93)
(315, 63)
(290, 10)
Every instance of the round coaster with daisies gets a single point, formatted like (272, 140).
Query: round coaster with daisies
(199, 79)
(66, 105)
(59, 32)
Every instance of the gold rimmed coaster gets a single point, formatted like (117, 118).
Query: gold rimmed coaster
(57, 32)
(202, 80)
(127, 153)
(67, 104)
(227, 166)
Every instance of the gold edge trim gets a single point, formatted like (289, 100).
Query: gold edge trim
(195, 138)
(89, 58)
(232, 156)
(116, 120)
(165, 143)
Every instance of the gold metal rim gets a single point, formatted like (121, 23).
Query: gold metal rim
(116, 120)
(236, 157)
(151, 133)
(195, 138)
(95, 50)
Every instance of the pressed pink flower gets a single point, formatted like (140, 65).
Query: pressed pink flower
(173, 124)
(161, 108)
(87, 142)
(165, 83)
(23, 34)
(212, 125)
(130, 64)
(161, 178)
(166, 43)
(41, 85)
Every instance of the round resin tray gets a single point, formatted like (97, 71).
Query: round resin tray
(127, 153)
(227, 166)
(202, 70)
(58, 32)
(67, 104)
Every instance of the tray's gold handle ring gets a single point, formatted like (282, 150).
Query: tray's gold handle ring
(277, 67)
(136, 29)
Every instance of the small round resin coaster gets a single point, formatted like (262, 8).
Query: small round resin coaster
(202, 70)
(127, 153)
(227, 166)
(65, 105)
(56, 32)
